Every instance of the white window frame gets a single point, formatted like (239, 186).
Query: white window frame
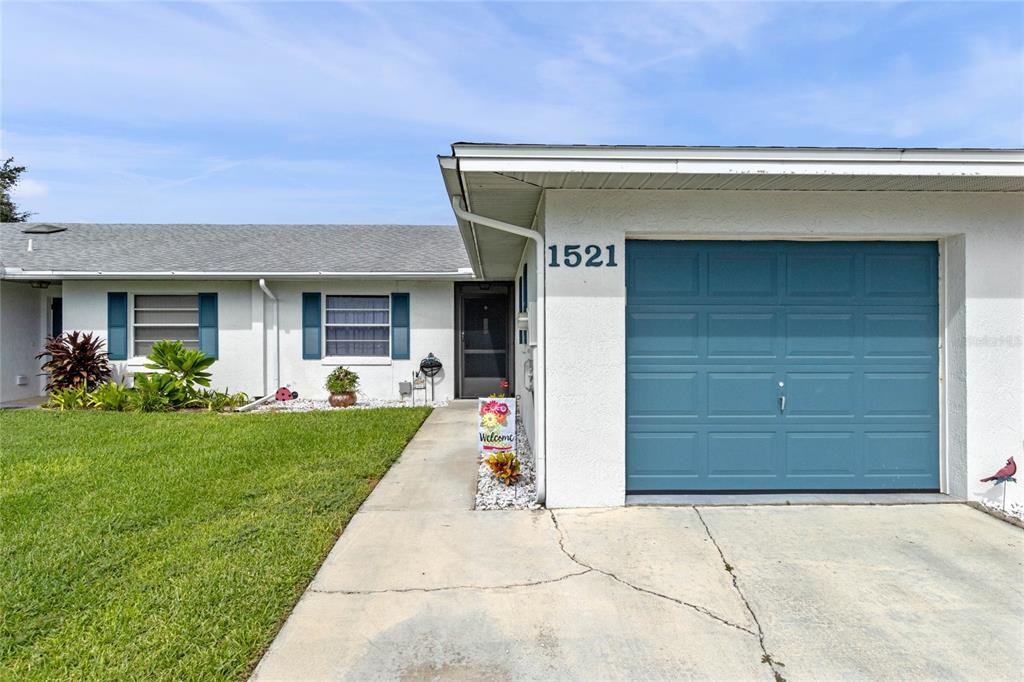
(336, 360)
(134, 359)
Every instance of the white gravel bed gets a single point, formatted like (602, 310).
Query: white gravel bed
(1013, 509)
(364, 403)
(493, 494)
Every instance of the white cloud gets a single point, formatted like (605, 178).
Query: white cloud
(412, 65)
(28, 189)
(976, 102)
(332, 112)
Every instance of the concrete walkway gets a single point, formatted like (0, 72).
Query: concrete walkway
(421, 587)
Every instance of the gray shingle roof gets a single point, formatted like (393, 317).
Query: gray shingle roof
(127, 248)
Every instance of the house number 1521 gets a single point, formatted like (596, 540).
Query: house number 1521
(575, 255)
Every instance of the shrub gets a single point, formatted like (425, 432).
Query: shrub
(69, 398)
(342, 380)
(504, 466)
(186, 366)
(217, 401)
(74, 359)
(111, 396)
(156, 393)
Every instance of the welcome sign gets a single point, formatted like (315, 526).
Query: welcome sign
(497, 425)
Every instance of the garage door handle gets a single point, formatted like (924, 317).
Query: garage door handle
(782, 403)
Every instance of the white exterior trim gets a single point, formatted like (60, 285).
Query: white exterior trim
(740, 160)
(18, 273)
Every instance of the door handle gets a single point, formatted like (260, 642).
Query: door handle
(782, 403)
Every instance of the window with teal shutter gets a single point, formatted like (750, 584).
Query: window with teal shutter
(208, 324)
(311, 325)
(400, 326)
(117, 325)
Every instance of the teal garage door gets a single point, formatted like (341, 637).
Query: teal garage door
(796, 366)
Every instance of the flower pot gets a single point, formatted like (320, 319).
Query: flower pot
(342, 399)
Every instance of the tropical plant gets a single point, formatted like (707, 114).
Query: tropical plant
(74, 359)
(69, 398)
(505, 466)
(217, 401)
(111, 396)
(187, 366)
(342, 380)
(157, 393)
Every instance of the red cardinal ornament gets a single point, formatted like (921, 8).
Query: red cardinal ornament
(1004, 474)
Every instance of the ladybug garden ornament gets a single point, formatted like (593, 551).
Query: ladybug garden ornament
(285, 393)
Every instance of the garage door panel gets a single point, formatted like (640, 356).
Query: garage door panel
(851, 329)
(663, 275)
(741, 335)
(899, 395)
(821, 455)
(663, 393)
(901, 453)
(662, 460)
(741, 394)
(666, 334)
(739, 273)
(900, 334)
(821, 394)
(818, 275)
(821, 335)
(742, 454)
(900, 275)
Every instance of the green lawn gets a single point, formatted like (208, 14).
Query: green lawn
(171, 545)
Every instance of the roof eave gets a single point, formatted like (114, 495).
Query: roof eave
(37, 275)
(453, 187)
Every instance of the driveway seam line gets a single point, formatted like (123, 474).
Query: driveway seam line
(402, 590)
(730, 569)
(699, 609)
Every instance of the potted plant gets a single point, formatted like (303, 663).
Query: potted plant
(342, 384)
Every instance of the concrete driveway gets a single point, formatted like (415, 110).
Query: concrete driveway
(421, 587)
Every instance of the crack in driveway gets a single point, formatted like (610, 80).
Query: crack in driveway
(696, 607)
(731, 570)
(449, 588)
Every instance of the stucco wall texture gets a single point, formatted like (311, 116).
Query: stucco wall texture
(24, 323)
(981, 241)
(245, 352)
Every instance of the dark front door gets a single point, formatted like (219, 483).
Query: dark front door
(57, 317)
(484, 326)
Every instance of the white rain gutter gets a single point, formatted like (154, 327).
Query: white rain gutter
(277, 340)
(540, 361)
(18, 273)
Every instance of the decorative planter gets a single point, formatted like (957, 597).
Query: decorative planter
(342, 399)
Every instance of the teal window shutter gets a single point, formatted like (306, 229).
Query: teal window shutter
(208, 324)
(311, 325)
(399, 326)
(117, 325)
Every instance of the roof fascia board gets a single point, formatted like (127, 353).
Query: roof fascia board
(453, 187)
(18, 274)
(821, 154)
(745, 167)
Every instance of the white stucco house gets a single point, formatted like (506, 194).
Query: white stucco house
(674, 320)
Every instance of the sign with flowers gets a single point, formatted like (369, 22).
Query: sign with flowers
(497, 425)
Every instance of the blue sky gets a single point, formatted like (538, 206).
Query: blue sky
(325, 112)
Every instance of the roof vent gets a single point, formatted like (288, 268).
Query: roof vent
(44, 228)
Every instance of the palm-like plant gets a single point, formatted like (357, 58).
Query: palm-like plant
(186, 365)
(75, 359)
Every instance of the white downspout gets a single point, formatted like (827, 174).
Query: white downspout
(540, 362)
(277, 337)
